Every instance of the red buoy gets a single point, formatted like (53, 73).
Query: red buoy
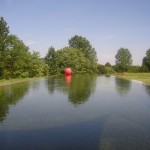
(68, 71)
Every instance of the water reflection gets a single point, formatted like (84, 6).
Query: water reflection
(10, 95)
(147, 87)
(106, 122)
(81, 88)
(123, 86)
(68, 79)
(78, 87)
(56, 83)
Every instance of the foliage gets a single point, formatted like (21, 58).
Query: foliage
(105, 70)
(15, 59)
(83, 45)
(51, 61)
(146, 60)
(107, 64)
(101, 69)
(109, 70)
(144, 68)
(123, 60)
(67, 57)
(137, 69)
(4, 32)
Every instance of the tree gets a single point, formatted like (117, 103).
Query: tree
(146, 60)
(101, 69)
(18, 59)
(37, 66)
(107, 64)
(72, 57)
(15, 59)
(51, 60)
(82, 44)
(123, 60)
(4, 33)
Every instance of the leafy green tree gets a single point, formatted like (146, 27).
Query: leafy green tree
(67, 57)
(105, 70)
(107, 64)
(19, 62)
(146, 60)
(109, 70)
(82, 44)
(15, 59)
(101, 69)
(37, 67)
(4, 33)
(135, 69)
(123, 60)
(72, 57)
(51, 61)
(18, 59)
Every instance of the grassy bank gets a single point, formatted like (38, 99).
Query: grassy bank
(144, 77)
(5, 82)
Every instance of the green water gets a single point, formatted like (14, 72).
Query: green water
(82, 112)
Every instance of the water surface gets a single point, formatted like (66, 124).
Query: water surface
(82, 112)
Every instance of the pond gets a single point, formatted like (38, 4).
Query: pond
(82, 112)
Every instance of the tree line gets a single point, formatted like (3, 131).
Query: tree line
(16, 61)
(123, 63)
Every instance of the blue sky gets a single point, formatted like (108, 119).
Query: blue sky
(107, 24)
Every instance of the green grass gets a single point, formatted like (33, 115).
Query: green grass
(5, 82)
(144, 77)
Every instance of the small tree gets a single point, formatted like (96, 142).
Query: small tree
(123, 60)
(51, 60)
(107, 64)
(81, 43)
(146, 59)
(4, 33)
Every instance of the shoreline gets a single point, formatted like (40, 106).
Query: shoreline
(143, 78)
(5, 82)
(136, 77)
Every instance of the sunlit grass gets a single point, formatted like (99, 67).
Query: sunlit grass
(144, 77)
(5, 82)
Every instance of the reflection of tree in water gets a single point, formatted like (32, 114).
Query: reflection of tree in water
(123, 86)
(107, 76)
(50, 83)
(147, 89)
(56, 83)
(81, 88)
(9, 95)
